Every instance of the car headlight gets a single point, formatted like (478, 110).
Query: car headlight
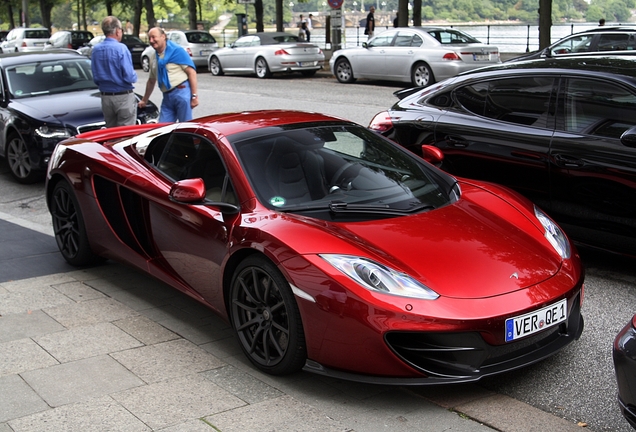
(554, 234)
(50, 132)
(378, 278)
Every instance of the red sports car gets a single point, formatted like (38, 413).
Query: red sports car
(325, 245)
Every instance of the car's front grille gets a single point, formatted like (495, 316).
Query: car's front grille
(91, 127)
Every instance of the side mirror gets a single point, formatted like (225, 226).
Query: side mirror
(628, 138)
(188, 191)
(432, 154)
(365, 45)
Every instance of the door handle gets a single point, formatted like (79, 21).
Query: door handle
(456, 141)
(568, 162)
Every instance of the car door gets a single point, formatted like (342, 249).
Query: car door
(237, 56)
(499, 130)
(594, 174)
(370, 62)
(192, 238)
(401, 55)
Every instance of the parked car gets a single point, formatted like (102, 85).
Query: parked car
(562, 131)
(25, 39)
(322, 242)
(73, 39)
(135, 45)
(47, 96)
(419, 55)
(624, 355)
(601, 40)
(197, 43)
(266, 53)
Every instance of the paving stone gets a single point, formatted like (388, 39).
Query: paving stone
(167, 360)
(17, 399)
(27, 324)
(145, 330)
(96, 415)
(23, 355)
(90, 312)
(30, 299)
(174, 401)
(37, 282)
(78, 291)
(76, 381)
(224, 347)
(196, 425)
(242, 385)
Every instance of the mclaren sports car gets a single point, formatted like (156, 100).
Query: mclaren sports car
(326, 246)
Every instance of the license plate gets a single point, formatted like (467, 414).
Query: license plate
(525, 325)
(305, 64)
(481, 57)
(205, 52)
(138, 49)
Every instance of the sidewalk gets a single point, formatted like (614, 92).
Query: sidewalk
(109, 349)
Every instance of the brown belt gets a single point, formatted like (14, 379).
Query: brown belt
(180, 86)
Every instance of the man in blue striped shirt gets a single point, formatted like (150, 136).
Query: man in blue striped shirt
(114, 74)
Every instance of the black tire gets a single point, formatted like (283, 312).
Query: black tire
(145, 64)
(17, 155)
(262, 68)
(266, 318)
(69, 227)
(215, 66)
(344, 71)
(422, 75)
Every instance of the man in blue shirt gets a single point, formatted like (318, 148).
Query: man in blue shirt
(114, 74)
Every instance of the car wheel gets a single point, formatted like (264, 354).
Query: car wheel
(145, 64)
(215, 67)
(266, 318)
(421, 75)
(69, 227)
(344, 72)
(262, 68)
(19, 160)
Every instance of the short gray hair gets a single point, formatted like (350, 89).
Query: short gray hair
(110, 24)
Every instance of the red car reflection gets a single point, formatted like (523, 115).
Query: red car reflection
(326, 246)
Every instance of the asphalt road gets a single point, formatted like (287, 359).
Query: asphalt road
(577, 384)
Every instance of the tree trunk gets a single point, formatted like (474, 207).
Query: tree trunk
(192, 14)
(279, 16)
(545, 22)
(150, 14)
(258, 10)
(137, 17)
(403, 13)
(417, 13)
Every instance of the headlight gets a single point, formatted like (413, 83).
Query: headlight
(49, 132)
(378, 278)
(553, 233)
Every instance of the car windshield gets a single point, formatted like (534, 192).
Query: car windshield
(200, 37)
(131, 39)
(37, 34)
(340, 171)
(59, 76)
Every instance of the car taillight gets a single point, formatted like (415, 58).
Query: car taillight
(69, 46)
(189, 51)
(381, 122)
(24, 44)
(281, 52)
(451, 56)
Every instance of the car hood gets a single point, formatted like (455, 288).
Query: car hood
(481, 246)
(69, 109)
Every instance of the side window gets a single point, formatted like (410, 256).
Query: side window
(597, 108)
(612, 42)
(524, 101)
(573, 45)
(184, 156)
(382, 40)
(473, 97)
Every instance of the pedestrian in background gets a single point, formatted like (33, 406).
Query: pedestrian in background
(115, 75)
(370, 27)
(129, 27)
(310, 27)
(601, 22)
(172, 68)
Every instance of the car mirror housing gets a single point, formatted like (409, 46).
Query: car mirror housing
(432, 154)
(365, 45)
(628, 138)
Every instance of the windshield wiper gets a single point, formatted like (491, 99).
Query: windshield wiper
(342, 207)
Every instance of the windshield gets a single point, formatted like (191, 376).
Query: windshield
(59, 76)
(340, 170)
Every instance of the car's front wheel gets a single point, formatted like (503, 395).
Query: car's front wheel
(145, 64)
(262, 68)
(17, 155)
(69, 227)
(266, 318)
(421, 75)
(344, 71)
(215, 66)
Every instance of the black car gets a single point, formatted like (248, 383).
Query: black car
(560, 131)
(73, 39)
(595, 41)
(624, 354)
(135, 45)
(45, 97)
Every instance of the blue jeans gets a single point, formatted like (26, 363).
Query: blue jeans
(175, 105)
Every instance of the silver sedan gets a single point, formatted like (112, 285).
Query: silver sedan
(419, 55)
(266, 53)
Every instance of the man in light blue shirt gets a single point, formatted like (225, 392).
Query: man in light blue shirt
(114, 74)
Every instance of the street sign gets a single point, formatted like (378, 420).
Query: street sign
(335, 4)
(336, 18)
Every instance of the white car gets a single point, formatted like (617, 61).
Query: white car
(266, 53)
(199, 44)
(419, 55)
(25, 39)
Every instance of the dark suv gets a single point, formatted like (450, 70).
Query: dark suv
(601, 40)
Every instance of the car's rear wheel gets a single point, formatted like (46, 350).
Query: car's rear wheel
(17, 155)
(145, 64)
(262, 68)
(215, 66)
(421, 75)
(344, 71)
(69, 227)
(266, 318)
